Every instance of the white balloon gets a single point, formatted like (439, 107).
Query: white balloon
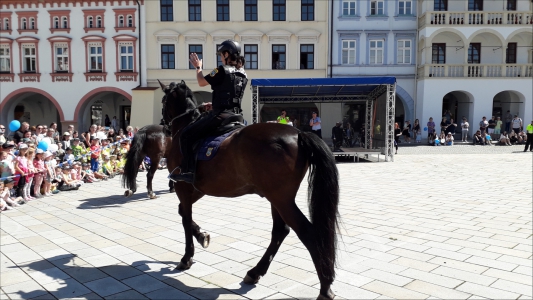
(53, 147)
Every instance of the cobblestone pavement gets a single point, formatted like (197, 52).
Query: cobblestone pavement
(449, 226)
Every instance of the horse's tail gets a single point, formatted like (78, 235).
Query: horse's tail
(133, 160)
(323, 199)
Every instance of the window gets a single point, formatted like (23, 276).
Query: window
(6, 24)
(5, 59)
(29, 59)
(90, 22)
(307, 57)
(308, 10)
(376, 52)
(438, 53)
(120, 21)
(126, 57)
(279, 57)
(250, 10)
(198, 49)
(511, 4)
(168, 60)
(61, 58)
(475, 5)
(376, 7)
(348, 8)
(167, 10)
(95, 58)
(98, 22)
(278, 10)
(64, 22)
(222, 10)
(56, 22)
(510, 53)
(348, 52)
(96, 114)
(440, 5)
(130, 21)
(32, 23)
(251, 56)
(404, 8)
(404, 52)
(219, 60)
(24, 24)
(195, 10)
(474, 53)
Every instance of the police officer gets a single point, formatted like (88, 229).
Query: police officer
(228, 83)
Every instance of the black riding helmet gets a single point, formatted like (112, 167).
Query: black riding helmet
(230, 46)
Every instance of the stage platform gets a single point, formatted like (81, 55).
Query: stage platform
(356, 153)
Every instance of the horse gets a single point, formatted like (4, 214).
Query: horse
(269, 160)
(150, 141)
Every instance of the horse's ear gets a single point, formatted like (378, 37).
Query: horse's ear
(163, 87)
(183, 82)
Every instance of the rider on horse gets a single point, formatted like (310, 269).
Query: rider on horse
(228, 83)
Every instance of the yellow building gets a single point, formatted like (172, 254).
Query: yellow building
(279, 39)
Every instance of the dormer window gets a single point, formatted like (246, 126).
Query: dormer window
(98, 22)
(125, 19)
(59, 20)
(64, 21)
(94, 20)
(130, 21)
(28, 21)
(90, 22)
(5, 22)
(120, 21)
(23, 24)
(32, 23)
(56, 22)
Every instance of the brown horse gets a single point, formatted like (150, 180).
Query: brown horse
(269, 160)
(150, 141)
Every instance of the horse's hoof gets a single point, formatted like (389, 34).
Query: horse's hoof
(204, 239)
(330, 296)
(172, 190)
(128, 193)
(183, 267)
(250, 280)
(152, 196)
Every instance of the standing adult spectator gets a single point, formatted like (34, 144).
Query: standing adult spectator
(283, 119)
(107, 122)
(349, 134)
(2, 134)
(443, 124)
(448, 115)
(451, 127)
(19, 134)
(39, 133)
(49, 137)
(114, 123)
(315, 124)
(53, 125)
(483, 124)
(464, 130)
(70, 129)
(337, 136)
(431, 126)
(529, 136)
(517, 124)
(397, 134)
(508, 120)
(407, 132)
(88, 135)
(111, 134)
(498, 127)
(417, 132)
(492, 125)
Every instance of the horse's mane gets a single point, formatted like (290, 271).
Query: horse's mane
(189, 95)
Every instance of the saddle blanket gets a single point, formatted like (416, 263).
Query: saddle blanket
(209, 147)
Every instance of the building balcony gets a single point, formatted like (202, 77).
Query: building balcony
(475, 18)
(475, 71)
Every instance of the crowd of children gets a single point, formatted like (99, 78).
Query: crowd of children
(29, 173)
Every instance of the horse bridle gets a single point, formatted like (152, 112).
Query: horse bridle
(168, 126)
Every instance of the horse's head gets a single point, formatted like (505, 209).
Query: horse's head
(179, 104)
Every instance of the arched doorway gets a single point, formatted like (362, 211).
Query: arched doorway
(95, 105)
(456, 105)
(31, 105)
(511, 101)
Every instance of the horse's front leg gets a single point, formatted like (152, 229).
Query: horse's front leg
(187, 195)
(203, 238)
(150, 177)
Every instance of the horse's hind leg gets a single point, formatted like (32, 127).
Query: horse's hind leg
(203, 238)
(294, 217)
(150, 176)
(279, 231)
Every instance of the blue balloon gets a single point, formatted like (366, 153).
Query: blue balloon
(43, 145)
(425, 129)
(14, 125)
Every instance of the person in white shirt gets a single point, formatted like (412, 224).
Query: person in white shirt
(464, 130)
(517, 124)
(315, 124)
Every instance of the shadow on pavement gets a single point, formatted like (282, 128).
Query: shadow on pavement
(116, 200)
(68, 276)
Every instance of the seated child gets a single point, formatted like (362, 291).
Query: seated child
(107, 167)
(68, 157)
(88, 174)
(488, 139)
(6, 199)
(449, 139)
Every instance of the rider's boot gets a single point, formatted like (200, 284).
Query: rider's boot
(185, 174)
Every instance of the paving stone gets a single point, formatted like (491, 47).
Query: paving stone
(436, 290)
(24, 290)
(106, 286)
(121, 271)
(85, 273)
(485, 291)
(144, 283)
(393, 291)
(68, 288)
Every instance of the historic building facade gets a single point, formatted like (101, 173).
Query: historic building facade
(376, 38)
(279, 39)
(475, 59)
(70, 62)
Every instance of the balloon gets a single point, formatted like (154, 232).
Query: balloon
(43, 145)
(14, 125)
(53, 148)
(425, 129)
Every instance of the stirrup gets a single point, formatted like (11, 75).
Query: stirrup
(187, 177)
